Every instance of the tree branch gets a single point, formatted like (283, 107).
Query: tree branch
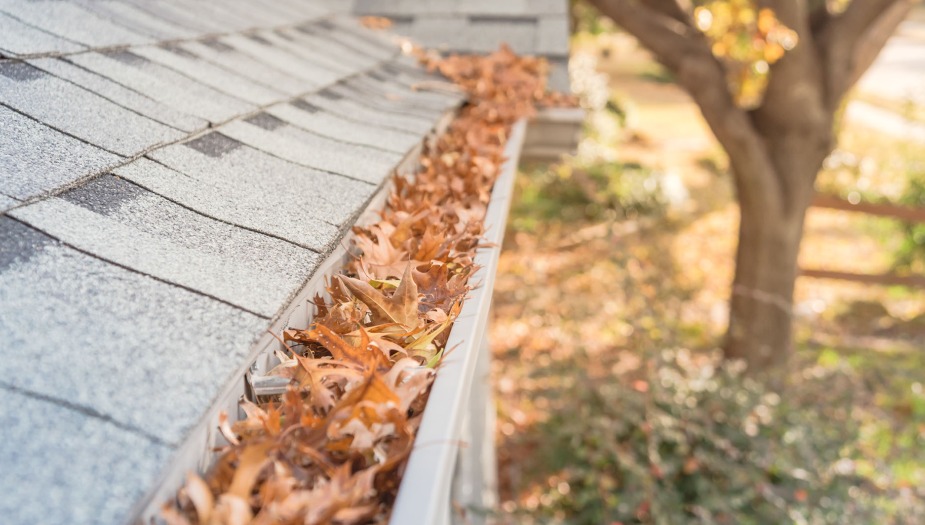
(849, 42)
(870, 45)
(795, 87)
(686, 53)
(671, 8)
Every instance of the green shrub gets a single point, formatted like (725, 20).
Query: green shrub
(691, 441)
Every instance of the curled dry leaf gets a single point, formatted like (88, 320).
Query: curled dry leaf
(329, 450)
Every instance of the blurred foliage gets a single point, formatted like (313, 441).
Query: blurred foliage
(569, 193)
(870, 167)
(910, 257)
(592, 185)
(696, 442)
(691, 441)
(586, 19)
(747, 39)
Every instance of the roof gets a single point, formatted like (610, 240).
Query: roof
(533, 27)
(171, 173)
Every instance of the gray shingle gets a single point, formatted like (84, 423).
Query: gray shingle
(475, 7)
(379, 100)
(69, 21)
(135, 19)
(64, 466)
(163, 85)
(493, 7)
(262, 15)
(17, 38)
(120, 94)
(394, 97)
(210, 75)
(354, 110)
(418, 93)
(226, 20)
(178, 15)
(79, 112)
(298, 9)
(331, 198)
(246, 65)
(354, 30)
(35, 159)
(313, 118)
(147, 354)
(444, 32)
(312, 150)
(348, 32)
(552, 34)
(547, 7)
(7, 202)
(404, 7)
(326, 52)
(293, 214)
(120, 222)
(477, 34)
(262, 49)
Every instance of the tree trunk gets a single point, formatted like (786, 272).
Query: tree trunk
(760, 309)
(761, 306)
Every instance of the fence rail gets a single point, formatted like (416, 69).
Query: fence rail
(894, 211)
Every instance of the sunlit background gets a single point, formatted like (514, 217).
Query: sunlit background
(612, 300)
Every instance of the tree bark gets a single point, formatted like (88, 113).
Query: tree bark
(761, 306)
(760, 311)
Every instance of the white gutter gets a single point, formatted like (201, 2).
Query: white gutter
(452, 464)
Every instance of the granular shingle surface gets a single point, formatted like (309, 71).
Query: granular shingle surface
(282, 59)
(153, 236)
(61, 465)
(70, 21)
(121, 95)
(313, 150)
(163, 84)
(339, 105)
(210, 75)
(7, 202)
(79, 112)
(144, 353)
(314, 119)
(245, 65)
(18, 38)
(218, 160)
(135, 19)
(36, 159)
(293, 215)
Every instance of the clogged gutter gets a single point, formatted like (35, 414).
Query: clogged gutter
(331, 449)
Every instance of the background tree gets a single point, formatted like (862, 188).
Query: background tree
(769, 77)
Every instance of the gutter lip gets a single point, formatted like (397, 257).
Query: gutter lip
(425, 489)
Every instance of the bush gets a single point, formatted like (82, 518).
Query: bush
(693, 442)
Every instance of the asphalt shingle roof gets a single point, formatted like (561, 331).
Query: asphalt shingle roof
(78, 112)
(536, 27)
(142, 254)
(36, 159)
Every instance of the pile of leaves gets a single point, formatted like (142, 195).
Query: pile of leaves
(332, 448)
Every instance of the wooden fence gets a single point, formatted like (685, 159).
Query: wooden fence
(893, 211)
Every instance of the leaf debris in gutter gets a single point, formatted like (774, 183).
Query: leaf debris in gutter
(332, 447)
